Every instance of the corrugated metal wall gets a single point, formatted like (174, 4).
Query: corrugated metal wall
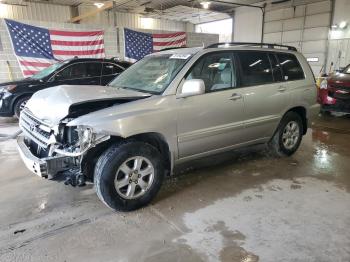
(131, 20)
(339, 53)
(305, 27)
(35, 11)
(58, 13)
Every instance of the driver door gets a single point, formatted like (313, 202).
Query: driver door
(214, 120)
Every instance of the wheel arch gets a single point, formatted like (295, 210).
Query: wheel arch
(14, 102)
(302, 112)
(157, 140)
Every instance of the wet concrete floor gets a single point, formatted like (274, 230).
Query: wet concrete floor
(241, 206)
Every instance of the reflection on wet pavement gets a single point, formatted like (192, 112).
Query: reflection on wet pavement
(239, 206)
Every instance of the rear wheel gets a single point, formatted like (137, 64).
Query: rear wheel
(20, 105)
(288, 136)
(128, 175)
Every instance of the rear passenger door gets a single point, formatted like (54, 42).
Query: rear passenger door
(109, 72)
(264, 92)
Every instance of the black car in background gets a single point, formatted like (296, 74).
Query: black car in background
(79, 71)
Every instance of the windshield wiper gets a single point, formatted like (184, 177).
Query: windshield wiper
(135, 89)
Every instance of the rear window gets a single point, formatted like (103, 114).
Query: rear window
(291, 67)
(255, 68)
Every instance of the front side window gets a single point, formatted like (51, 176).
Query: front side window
(48, 70)
(111, 69)
(152, 74)
(216, 70)
(255, 68)
(291, 67)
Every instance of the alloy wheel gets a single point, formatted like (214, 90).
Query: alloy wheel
(134, 177)
(290, 135)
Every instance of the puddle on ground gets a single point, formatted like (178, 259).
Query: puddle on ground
(231, 230)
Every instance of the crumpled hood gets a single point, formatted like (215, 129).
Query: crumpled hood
(51, 105)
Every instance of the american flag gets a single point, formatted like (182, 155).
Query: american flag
(37, 48)
(139, 44)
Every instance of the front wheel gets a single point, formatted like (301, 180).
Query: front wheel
(128, 175)
(288, 136)
(20, 105)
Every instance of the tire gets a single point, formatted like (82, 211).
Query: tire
(19, 105)
(109, 175)
(279, 146)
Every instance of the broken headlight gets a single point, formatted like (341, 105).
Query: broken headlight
(85, 136)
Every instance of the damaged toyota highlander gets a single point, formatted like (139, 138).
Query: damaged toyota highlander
(170, 107)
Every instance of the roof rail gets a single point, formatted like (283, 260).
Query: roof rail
(171, 48)
(292, 48)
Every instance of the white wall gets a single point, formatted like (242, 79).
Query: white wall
(221, 27)
(113, 47)
(7, 54)
(59, 13)
(341, 13)
(35, 11)
(55, 16)
(305, 26)
(130, 20)
(247, 25)
(339, 43)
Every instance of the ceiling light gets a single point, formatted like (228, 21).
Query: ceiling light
(99, 5)
(205, 5)
(343, 24)
(334, 27)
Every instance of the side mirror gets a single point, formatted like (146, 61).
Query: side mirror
(192, 87)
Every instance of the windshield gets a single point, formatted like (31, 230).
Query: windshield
(47, 71)
(152, 74)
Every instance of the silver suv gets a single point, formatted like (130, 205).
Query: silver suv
(170, 107)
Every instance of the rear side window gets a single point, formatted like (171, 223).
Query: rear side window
(291, 67)
(255, 68)
(93, 69)
(111, 69)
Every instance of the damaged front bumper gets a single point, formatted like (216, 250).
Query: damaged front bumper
(46, 167)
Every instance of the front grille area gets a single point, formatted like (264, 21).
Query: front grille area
(31, 128)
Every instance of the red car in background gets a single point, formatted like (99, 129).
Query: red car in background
(334, 92)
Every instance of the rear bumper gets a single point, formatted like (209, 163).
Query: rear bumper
(42, 167)
(338, 107)
(334, 100)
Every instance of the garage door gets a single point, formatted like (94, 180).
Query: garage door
(304, 26)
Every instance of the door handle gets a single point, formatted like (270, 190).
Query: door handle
(235, 96)
(281, 89)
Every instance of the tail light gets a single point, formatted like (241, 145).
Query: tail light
(324, 84)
